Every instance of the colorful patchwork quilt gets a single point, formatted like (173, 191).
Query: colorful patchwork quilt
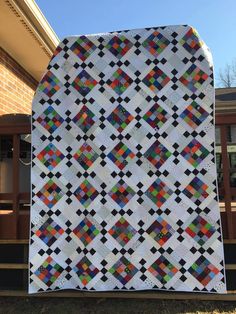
(124, 191)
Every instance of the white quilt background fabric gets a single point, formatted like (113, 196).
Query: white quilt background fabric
(124, 192)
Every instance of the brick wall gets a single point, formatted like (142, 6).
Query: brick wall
(16, 86)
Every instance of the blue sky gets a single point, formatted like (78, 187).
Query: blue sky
(215, 20)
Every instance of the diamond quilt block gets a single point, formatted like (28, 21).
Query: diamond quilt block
(191, 42)
(156, 43)
(121, 155)
(86, 156)
(86, 231)
(119, 46)
(157, 154)
(84, 83)
(50, 194)
(122, 231)
(121, 193)
(85, 270)
(195, 153)
(160, 231)
(50, 156)
(49, 84)
(120, 118)
(119, 81)
(200, 230)
(158, 192)
(123, 270)
(203, 270)
(194, 115)
(86, 193)
(49, 271)
(84, 119)
(49, 232)
(156, 116)
(156, 79)
(163, 270)
(50, 119)
(196, 190)
(83, 47)
(193, 78)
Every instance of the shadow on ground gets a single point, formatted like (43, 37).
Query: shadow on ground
(14, 305)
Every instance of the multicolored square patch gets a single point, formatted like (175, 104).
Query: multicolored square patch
(84, 119)
(200, 230)
(194, 78)
(86, 231)
(86, 193)
(163, 270)
(121, 193)
(84, 83)
(157, 154)
(49, 271)
(203, 270)
(50, 119)
(194, 115)
(119, 81)
(121, 155)
(197, 191)
(83, 47)
(49, 84)
(85, 270)
(50, 193)
(158, 192)
(49, 231)
(190, 41)
(156, 43)
(156, 79)
(156, 116)
(160, 231)
(122, 231)
(50, 156)
(119, 46)
(86, 156)
(195, 153)
(120, 118)
(123, 270)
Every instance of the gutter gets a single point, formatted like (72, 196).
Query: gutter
(35, 23)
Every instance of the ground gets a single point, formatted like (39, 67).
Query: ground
(114, 306)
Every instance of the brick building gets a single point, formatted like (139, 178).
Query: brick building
(27, 44)
(25, 37)
(16, 86)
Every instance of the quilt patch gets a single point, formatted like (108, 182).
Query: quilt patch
(123, 170)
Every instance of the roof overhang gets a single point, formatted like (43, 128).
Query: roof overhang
(26, 35)
(225, 100)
